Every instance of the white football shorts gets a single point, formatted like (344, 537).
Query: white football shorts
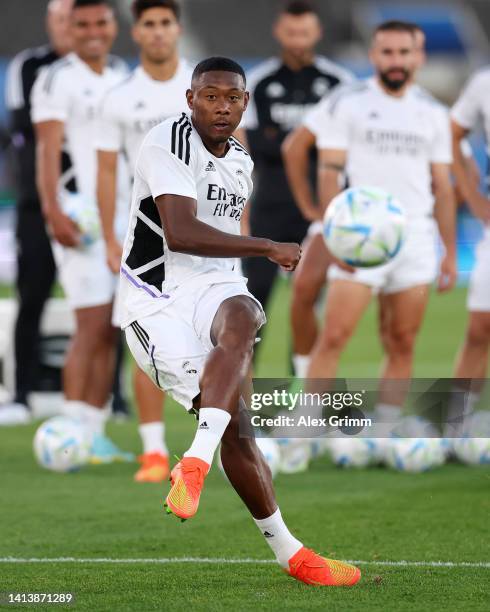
(416, 264)
(479, 289)
(84, 275)
(172, 344)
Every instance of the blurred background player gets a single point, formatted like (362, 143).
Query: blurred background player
(282, 90)
(472, 361)
(36, 269)
(310, 276)
(154, 91)
(388, 133)
(65, 104)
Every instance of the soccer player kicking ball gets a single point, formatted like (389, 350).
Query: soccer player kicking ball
(189, 319)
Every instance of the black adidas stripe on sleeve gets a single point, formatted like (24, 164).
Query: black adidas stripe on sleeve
(236, 144)
(181, 132)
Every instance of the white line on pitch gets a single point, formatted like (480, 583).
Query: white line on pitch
(170, 560)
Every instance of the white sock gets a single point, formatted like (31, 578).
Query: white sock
(386, 417)
(153, 437)
(301, 364)
(212, 425)
(388, 413)
(461, 406)
(73, 409)
(95, 419)
(284, 545)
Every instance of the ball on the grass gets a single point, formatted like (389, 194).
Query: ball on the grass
(62, 444)
(474, 447)
(415, 454)
(364, 226)
(295, 455)
(351, 451)
(269, 448)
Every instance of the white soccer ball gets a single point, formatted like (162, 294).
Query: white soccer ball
(62, 444)
(472, 451)
(415, 454)
(352, 451)
(474, 447)
(413, 426)
(269, 449)
(364, 226)
(272, 455)
(295, 455)
(86, 216)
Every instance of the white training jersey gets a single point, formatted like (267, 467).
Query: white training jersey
(133, 107)
(391, 142)
(71, 92)
(474, 104)
(174, 160)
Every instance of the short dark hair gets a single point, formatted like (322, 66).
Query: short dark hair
(299, 7)
(140, 6)
(82, 3)
(396, 26)
(212, 64)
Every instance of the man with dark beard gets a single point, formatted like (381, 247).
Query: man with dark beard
(385, 132)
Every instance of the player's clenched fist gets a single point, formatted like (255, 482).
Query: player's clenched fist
(285, 254)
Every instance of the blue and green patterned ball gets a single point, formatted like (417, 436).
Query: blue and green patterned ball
(365, 226)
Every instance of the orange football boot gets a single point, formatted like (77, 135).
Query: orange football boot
(187, 480)
(311, 568)
(154, 468)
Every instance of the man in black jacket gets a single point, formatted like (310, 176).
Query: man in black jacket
(282, 90)
(35, 264)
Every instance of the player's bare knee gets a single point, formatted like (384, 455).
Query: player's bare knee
(305, 290)
(400, 342)
(334, 338)
(478, 332)
(238, 333)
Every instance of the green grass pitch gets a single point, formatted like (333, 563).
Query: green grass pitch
(375, 516)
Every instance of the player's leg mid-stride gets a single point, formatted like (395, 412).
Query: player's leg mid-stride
(233, 332)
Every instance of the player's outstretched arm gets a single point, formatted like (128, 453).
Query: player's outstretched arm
(296, 155)
(478, 203)
(186, 234)
(106, 200)
(445, 215)
(49, 143)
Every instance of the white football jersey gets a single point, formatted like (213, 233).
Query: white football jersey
(71, 92)
(174, 160)
(391, 142)
(133, 107)
(474, 104)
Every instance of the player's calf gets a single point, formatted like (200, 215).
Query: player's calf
(245, 466)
